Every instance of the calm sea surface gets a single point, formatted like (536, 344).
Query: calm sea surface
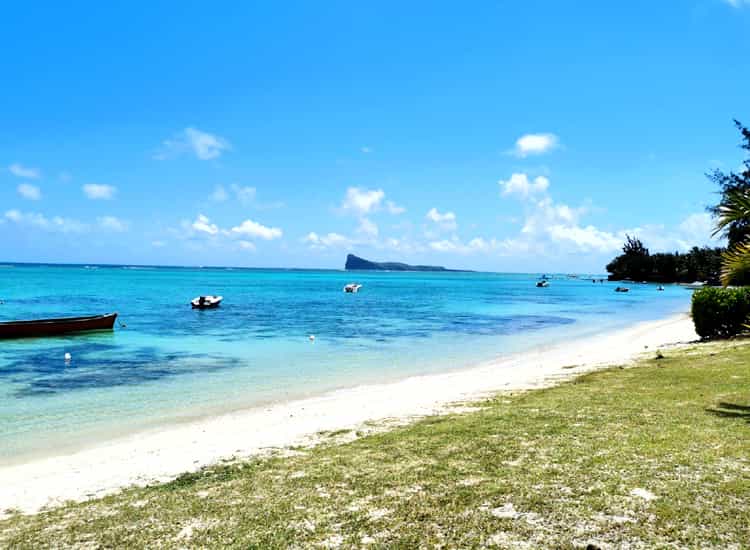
(170, 363)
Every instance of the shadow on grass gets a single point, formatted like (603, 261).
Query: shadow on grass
(731, 410)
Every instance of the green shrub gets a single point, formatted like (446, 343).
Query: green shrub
(721, 312)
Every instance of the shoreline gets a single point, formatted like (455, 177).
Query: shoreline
(164, 453)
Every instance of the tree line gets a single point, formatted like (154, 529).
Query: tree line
(636, 263)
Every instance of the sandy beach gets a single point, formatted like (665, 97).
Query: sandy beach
(162, 454)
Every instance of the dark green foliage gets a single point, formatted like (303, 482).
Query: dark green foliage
(721, 312)
(636, 263)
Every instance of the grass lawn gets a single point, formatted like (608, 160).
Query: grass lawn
(654, 456)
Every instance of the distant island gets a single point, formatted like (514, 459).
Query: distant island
(354, 263)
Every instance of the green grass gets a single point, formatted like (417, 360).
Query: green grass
(548, 468)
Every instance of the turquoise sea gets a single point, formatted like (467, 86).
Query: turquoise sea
(169, 363)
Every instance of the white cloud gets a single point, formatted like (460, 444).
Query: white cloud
(535, 144)
(242, 194)
(245, 195)
(23, 171)
(587, 238)
(455, 245)
(520, 184)
(97, 191)
(239, 236)
(203, 145)
(158, 244)
(367, 227)
(366, 150)
(254, 229)
(694, 230)
(445, 220)
(330, 240)
(28, 191)
(246, 245)
(362, 201)
(552, 227)
(54, 224)
(394, 208)
(698, 227)
(203, 225)
(219, 194)
(111, 223)
(738, 3)
(444, 246)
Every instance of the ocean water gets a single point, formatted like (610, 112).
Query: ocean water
(167, 363)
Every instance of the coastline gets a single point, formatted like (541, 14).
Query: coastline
(162, 454)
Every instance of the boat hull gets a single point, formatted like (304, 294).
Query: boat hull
(54, 327)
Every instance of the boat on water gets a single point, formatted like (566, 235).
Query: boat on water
(352, 288)
(660, 288)
(622, 289)
(694, 286)
(53, 327)
(206, 302)
(542, 284)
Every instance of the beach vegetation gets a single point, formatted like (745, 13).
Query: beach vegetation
(656, 456)
(721, 312)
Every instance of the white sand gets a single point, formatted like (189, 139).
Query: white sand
(165, 453)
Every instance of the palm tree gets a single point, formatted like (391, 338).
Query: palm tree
(734, 209)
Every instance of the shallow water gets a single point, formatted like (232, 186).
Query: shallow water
(170, 363)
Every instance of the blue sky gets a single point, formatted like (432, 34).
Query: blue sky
(507, 136)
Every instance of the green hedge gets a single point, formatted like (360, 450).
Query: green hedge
(721, 312)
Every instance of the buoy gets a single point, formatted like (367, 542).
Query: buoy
(68, 357)
(312, 337)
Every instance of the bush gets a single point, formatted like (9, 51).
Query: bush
(721, 312)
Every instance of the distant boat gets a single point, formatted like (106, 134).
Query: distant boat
(542, 284)
(622, 289)
(695, 285)
(54, 327)
(352, 288)
(206, 302)
(660, 288)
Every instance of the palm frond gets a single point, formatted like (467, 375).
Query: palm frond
(735, 262)
(734, 207)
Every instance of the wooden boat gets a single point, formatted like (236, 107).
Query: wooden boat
(622, 289)
(206, 302)
(53, 327)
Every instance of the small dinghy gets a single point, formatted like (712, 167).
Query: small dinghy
(352, 288)
(622, 289)
(542, 284)
(53, 327)
(206, 302)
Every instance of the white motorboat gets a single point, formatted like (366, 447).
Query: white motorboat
(696, 285)
(206, 302)
(352, 288)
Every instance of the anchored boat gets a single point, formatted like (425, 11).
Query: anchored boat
(206, 302)
(54, 327)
